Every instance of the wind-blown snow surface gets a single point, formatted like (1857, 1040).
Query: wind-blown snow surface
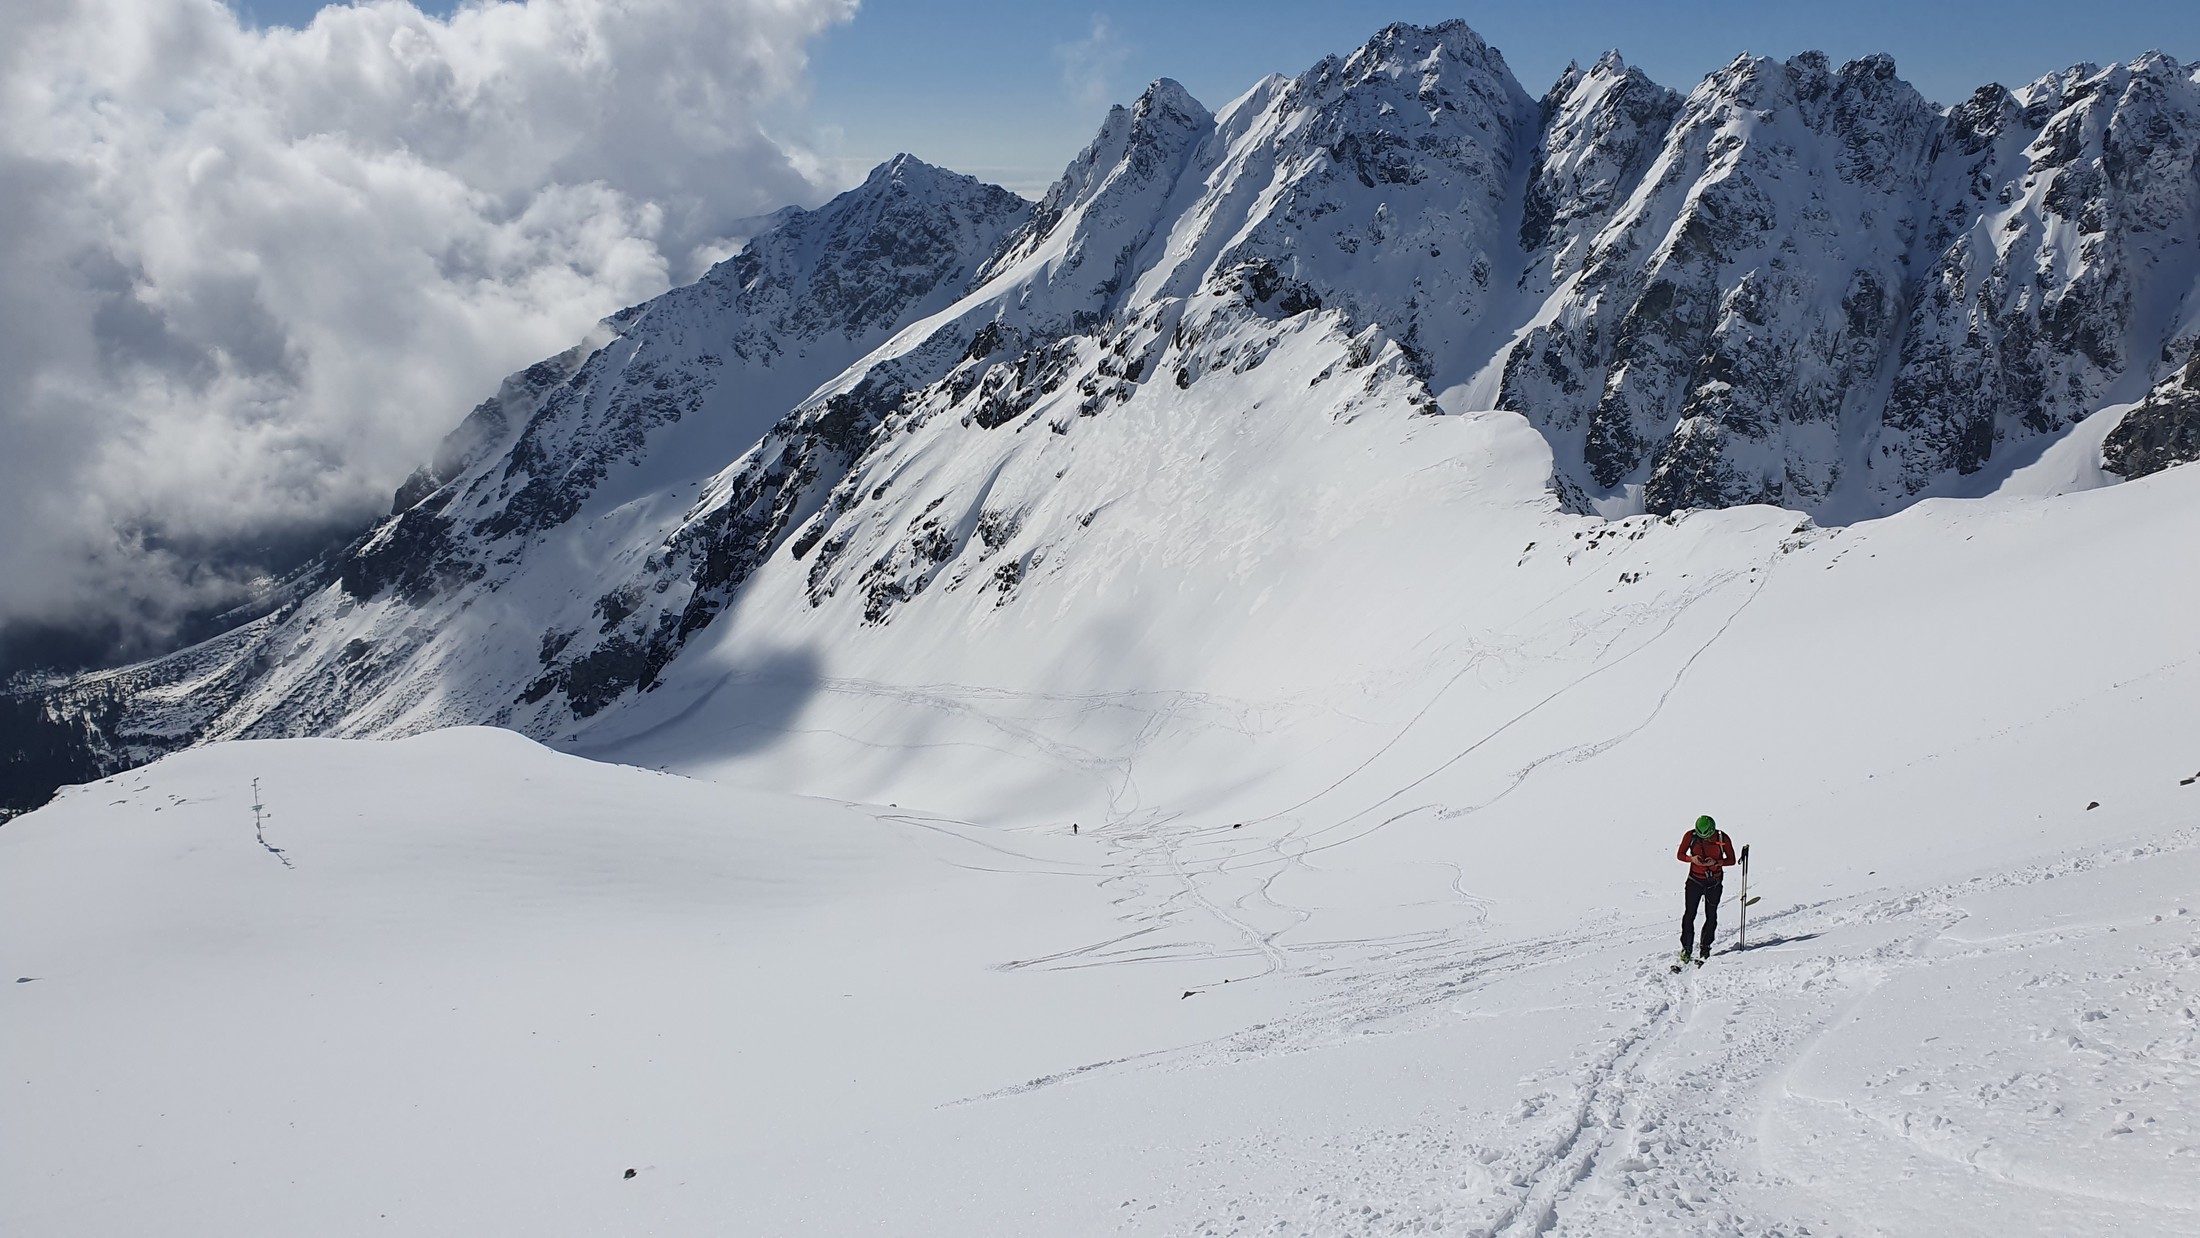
(1343, 944)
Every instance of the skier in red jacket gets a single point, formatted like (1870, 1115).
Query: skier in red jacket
(1707, 851)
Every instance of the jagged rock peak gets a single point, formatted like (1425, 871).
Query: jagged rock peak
(1882, 123)
(1160, 124)
(1974, 123)
(1400, 49)
(1600, 130)
(1138, 149)
(1577, 87)
(1165, 96)
(1164, 123)
(1805, 77)
(1610, 65)
(902, 177)
(857, 263)
(1163, 117)
(1402, 45)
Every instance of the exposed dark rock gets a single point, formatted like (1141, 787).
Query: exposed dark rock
(43, 747)
(1010, 390)
(415, 555)
(1260, 283)
(77, 730)
(2164, 430)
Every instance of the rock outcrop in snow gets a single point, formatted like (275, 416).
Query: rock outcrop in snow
(1800, 284)
(2162, 430)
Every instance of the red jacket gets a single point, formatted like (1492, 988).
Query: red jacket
(1706, 857)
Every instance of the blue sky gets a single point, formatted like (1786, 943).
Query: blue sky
(1009, 89)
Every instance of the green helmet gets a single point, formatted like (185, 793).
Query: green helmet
(1705, 827)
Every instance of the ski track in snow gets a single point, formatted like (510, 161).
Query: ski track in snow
(1723, 1101)
(1648, 1136)
(1152, 852)
(1653, 1129)
(1650, 1132)
(1572, 752)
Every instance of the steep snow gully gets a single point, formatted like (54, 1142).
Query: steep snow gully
(1168, 710)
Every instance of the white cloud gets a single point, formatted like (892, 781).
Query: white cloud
(1091, 64)
(248, 277)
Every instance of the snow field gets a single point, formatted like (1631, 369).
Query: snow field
(431, 1028)
(1364, 928)
(495, 974)
(2050, 1038)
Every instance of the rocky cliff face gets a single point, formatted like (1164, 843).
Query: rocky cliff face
(1827, 294)
(1725, 318)
(2062, 267)
(1799, 284)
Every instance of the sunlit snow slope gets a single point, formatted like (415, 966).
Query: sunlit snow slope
(1169, 709)
(1362, 927)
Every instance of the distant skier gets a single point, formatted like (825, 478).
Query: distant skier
(1708, 852)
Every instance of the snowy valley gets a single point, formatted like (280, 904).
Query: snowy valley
(1168, 709)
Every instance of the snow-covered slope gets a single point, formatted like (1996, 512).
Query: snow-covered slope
(568, 477)
(1168, 711)
(1350, 948)
(1223, 347)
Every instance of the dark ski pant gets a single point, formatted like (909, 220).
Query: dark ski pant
(1703, 890)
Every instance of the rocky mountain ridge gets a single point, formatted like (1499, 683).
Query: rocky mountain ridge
(1799, 284)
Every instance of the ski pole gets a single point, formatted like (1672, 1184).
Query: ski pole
(1741, 936)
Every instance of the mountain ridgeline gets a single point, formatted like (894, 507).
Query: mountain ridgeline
(1799, 284)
